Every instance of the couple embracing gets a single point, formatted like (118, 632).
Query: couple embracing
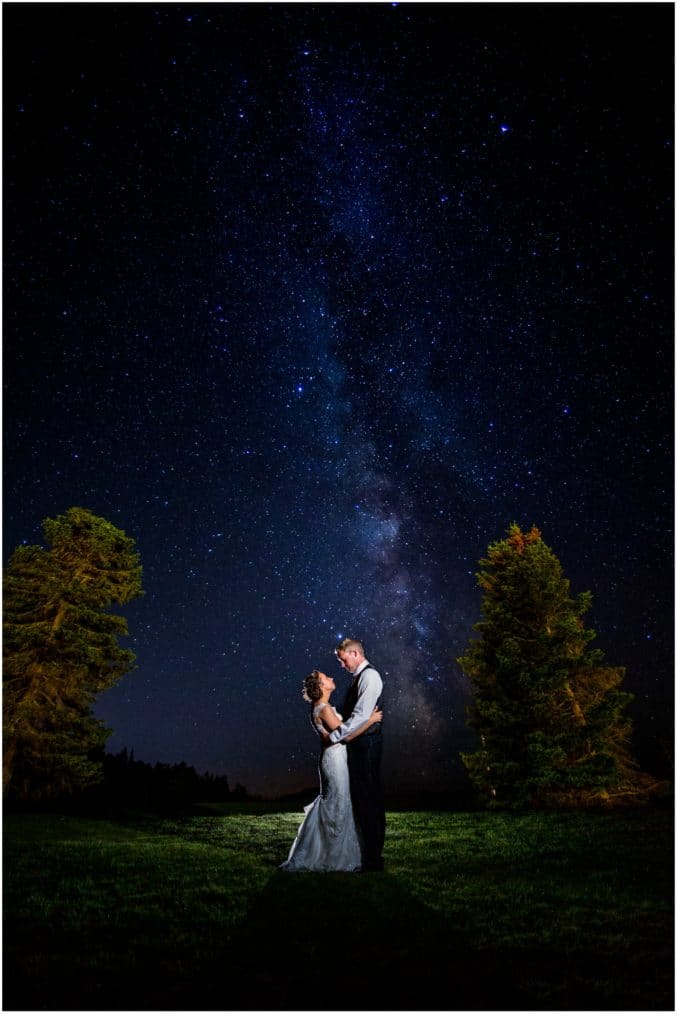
(344, 828)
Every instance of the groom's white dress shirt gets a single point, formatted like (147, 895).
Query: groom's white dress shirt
(369, 690)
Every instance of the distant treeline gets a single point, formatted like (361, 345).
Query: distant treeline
(132, 783)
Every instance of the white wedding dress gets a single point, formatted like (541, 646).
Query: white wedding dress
(327, 839)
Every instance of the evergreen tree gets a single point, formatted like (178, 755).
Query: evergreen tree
(548, 714)
(61, 650)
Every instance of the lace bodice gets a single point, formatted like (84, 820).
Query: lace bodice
(315, 718)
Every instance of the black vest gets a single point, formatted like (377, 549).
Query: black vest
(351, 700)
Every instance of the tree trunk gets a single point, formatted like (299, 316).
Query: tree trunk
(575, 706)
(9, 748)
(60, 616)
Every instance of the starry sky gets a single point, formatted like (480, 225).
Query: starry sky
(313, 301)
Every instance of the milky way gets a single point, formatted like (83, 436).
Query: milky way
(313, 302)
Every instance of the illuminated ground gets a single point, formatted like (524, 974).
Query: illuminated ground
(475, 911)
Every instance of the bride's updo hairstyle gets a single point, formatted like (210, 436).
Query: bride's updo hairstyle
(312, 687)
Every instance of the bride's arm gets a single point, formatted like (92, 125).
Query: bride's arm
(375, 716)
(331, 721)
(329, 718)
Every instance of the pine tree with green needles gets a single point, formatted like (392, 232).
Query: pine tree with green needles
(61, 650)
(549, 715)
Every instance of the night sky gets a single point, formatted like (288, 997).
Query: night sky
(313, 301)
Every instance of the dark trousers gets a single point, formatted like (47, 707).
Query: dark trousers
(364, 766)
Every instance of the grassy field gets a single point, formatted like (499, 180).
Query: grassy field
(475, 911)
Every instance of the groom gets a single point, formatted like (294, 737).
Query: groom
(364, 752)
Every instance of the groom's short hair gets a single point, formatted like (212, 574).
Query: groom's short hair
(350, 645)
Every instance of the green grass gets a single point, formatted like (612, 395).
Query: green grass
(475, 911)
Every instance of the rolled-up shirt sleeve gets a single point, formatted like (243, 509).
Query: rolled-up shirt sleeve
(369, 690)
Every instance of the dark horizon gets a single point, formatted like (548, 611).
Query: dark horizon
(313, 302)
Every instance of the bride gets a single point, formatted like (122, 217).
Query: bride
(327, 839)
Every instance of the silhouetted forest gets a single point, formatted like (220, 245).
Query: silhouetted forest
(131, 783)
(128, 784)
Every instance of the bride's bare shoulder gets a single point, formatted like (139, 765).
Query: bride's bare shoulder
(330, 716)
